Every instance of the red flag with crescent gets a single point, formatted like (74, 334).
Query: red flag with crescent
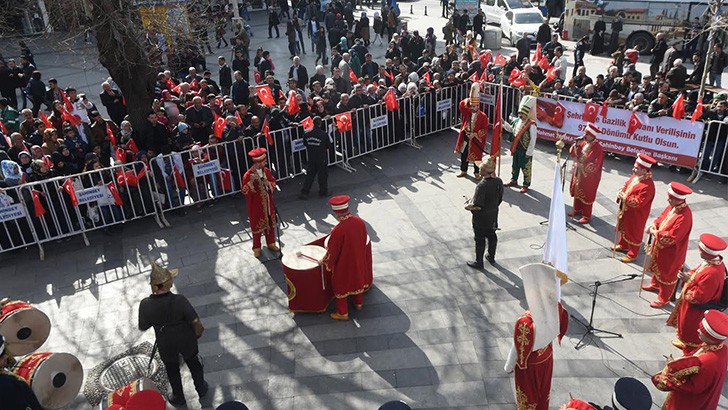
(45, 120)
(391, 100)
(552, 73)
(265, 95)
(537, 55)
(634, 124)
(266, 132)
(543, 63)
(121, 155)
(499, 60)
(474, 77)
(307, 124)
(558, 117)
(218, 125)
(698, 111)
(115, 193)
(590, 112)
(4, 129)
(605, 108)
(343, 122)
(68, 187)
(678, 107)
(66, 101)
(37, 204)
(426, 77)
(485, 59)
(293, 106)
(352, 76)
(237, 118)
(111, 135)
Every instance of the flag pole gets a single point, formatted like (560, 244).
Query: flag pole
(499, 101)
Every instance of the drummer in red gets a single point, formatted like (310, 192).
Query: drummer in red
(704, 284)
(258, 186)
(346, 258)
(670, 235)
(635, 200)
(588, 159)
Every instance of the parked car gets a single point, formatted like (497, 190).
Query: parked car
(494, 9)
(516, 22)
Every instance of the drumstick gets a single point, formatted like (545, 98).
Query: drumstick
(312, 259)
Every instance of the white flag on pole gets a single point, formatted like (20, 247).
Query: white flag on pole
(555, 250)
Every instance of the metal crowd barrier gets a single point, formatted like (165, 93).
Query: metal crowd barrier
(713, 151)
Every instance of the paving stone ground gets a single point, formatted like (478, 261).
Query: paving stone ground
(433, 332)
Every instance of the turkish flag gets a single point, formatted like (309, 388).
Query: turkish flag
(293, 106)
(132, 146)
(426, 77)
(558, 117)
(698, 111)
(237, 118)
(111, 135)
(128, 178)
(343, 122)
(590, 112)
(67, 116)
(514, 74)
(605, 108)
(121, 155)
(45, 120)
(497, 123)
(485, 59)
(474, 77)
(634, 124)
(170, 84)
(177, 89)
(543, 63)
(537, 55)
(265, 95)
(484, 76)
(390, 100)
(115, 193)
(225, 179)
(499, 60)
(516, 78)
(387, 73)
(68, 187)
(218, 126)
(4, 129)
(37, 204)
(258, 78)
(66, 101)
(352, 76)
(195, 85)
(266, 132)
(179, 178)
(678, 107)
(552, 73)
(307, 124)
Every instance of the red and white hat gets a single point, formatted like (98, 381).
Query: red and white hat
(575, 404)
(592, 130)
(711, 244)
(257, 154)
(645, 161)
(340, 203)
(714, 326)
(679, 191)
(146, 400)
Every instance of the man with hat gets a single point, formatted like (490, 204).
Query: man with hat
(696, 381)
(258, 186)
(232, 405)
(523, 129)
(670, 234)
(484, 206)
(630, 394)
(474, 129)
(346, 258)
(703, 284)
(588, 159)
(176, 327)
(635, 201)
(14, 390)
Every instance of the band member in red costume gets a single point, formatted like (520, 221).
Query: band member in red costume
(258, 186)
(696, 381)
(704, 284)
(635, 201)
(588, 159)
(670, 234)
(471, 139)
(346, 258)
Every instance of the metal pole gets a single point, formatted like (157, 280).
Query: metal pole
(714, 8)
(236, 10)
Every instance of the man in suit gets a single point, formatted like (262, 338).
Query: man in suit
(226, 76)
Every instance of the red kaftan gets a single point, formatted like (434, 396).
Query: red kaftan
(639, 191)
(705, 285)
(475, 148)
(669, 247)
(261, 210)
(346, 257)
(588, 160)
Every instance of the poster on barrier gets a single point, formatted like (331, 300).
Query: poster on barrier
(378, 122)
(206, 168)
(87, 195)
(666, 139)
(444, 105)
(298, 145)
(10, 212)
(487, 99)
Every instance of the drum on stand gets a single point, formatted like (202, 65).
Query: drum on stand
(122, 395)
(24, 327)
(308, 282)
(55, 378)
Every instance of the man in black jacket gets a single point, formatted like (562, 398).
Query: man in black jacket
(718, 62)
(225, 76)
(317, 146)
(484, 207)
(200, 118)
(177, 328)
(299, 73)
(658, 54)
(154, 136)
(478, 23)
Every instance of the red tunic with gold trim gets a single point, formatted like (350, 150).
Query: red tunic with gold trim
(480, 132)
(705, 285)
(697, 384)
(670, 244)
(534, 369)
(588, 160)
(261, 210)
(639, 192)
(346, 257)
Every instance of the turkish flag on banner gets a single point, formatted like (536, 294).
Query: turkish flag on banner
(543, 63)
(537, 55)
(265, 95)
(218, 125)
(497, 124)
(343, 122)
(115, 193)
(558, 117)
(499, 60)
(37, 204)
(552, 73)
(121, 155)
(605, 108)
(307, 124)
(634, 124)
(68, 187)
(352, 76)
(698, 111)
(390, 100)
(474, 77)
(111, 135)
(45, 120)
(266, 132)
(485, 59)
(590, 112)
(132, 146)
(678, 107)
(293, 106)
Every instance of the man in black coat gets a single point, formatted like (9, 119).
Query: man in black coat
(484, 207)
(544, 34)
(240, 90)
(317, 149)
(200, 118)
(658, 54)
(153, 136)
(523, 45)
(299, 73)
(226, 76)
(478, 23)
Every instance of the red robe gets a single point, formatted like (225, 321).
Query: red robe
(635, 208)
(534, 369)
(705, 285)
(670, 244)
(346, 257)
(701, 389)
(476, 147)
(588, 160)
(261, 209)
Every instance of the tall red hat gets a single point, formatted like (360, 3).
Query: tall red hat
(257, 154)
(592, 130)
(575, 404)
(340, 204)
(146, 400)
(679, 191)
(714, 326)
(711, 244)
(645, 161)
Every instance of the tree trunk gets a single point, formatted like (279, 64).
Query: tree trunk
(120, 41)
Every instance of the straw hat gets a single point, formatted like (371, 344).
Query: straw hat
(160, 275)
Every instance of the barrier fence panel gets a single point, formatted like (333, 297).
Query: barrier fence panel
(17, 229)
(713, 151)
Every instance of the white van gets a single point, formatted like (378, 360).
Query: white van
(494, 9)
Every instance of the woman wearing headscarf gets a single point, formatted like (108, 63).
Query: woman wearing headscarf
(12, 175)
(50, 141)
(63, 162)
(25, 161)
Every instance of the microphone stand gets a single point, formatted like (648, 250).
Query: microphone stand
(590, 329)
